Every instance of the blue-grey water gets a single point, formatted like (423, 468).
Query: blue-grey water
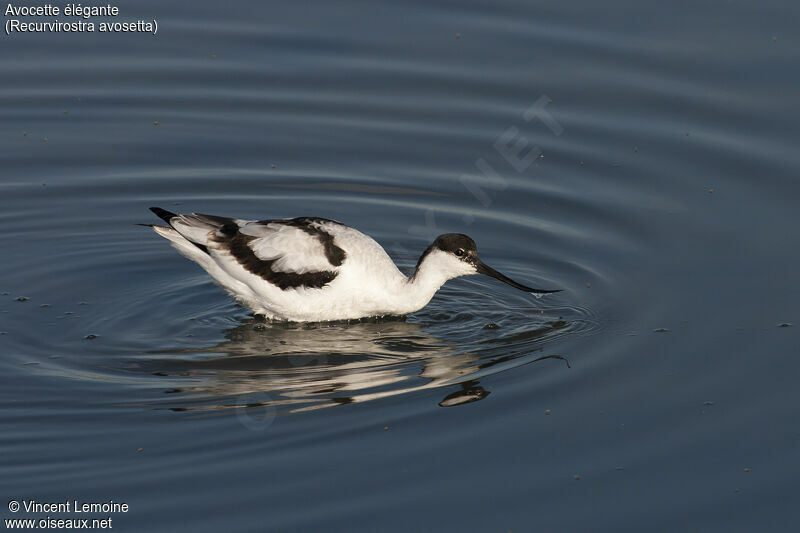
(642, 157)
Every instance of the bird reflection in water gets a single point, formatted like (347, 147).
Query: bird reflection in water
(301, 367)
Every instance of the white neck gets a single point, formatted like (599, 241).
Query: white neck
(432, 273)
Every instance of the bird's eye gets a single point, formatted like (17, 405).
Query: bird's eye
(460, 252)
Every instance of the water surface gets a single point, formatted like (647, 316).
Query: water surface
(658, 188)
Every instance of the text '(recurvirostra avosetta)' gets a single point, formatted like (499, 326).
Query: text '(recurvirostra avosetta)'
(23, 20)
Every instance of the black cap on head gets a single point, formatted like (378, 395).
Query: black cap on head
(464, 248)
(457, 244)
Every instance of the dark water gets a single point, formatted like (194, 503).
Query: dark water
(659, 187)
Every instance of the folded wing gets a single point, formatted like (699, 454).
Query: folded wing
(290, 253)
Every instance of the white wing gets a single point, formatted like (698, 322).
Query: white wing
(292, 248)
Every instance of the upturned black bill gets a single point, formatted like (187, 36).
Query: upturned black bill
(483, 268)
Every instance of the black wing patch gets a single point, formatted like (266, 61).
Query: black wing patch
(239, 246)
(333, 253)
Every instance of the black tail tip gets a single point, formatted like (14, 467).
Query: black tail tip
(163, 214)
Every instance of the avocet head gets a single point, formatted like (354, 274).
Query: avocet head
(455, 254)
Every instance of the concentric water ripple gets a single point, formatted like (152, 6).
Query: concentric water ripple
(215, 356)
